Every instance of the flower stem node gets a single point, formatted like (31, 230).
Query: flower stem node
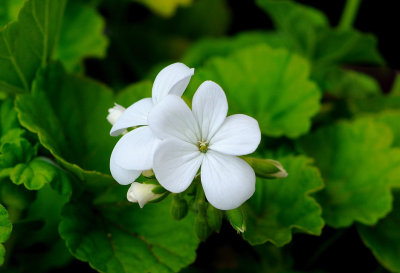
(266, 168)
(114, 113)
(237, 219)
(178, 207)
(143, 193)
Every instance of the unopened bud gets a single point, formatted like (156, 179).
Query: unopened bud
(178, 208)
(114, 113)
(214, 218)
(266, 168)
(237, 219)
(201, 227)
(143, 193)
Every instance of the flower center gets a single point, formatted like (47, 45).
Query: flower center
(203, 146)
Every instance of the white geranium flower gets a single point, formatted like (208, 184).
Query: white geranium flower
(142, 193)
(134, 151)
(205, 137)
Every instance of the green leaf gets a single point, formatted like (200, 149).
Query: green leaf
(130, 239)
(8, 117)
(299, 23)
(308, 31)
(69, 115)
(5, 231)
(28, 44)
(359, 168)
(134, 92)
(82, 35)
(384, 238)
(205, 49)
(14, 149)
(273, 86)
(34, 174)
(391, 119)
(282, 205)
(351, 84)
(164, 8)
(9, 10)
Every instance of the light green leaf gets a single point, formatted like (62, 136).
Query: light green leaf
(34, 174)
(82, 35)
(27, 44)
(391, 119)
(281, 205)
(5, 231)
(205, 49)
(130, 239)
(273, 86)
(68, 113)
(384, 238)
(359, 168)
(165, 8)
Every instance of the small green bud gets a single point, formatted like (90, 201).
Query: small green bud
(214, 217)
(266, 168)
(237, 219)
(178, 208)
(201, 227)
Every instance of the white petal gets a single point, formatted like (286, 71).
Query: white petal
(114, 113)
(121, 175)
(228, 181)
(135, 150)
(210, 108)
(176, 163)
(238, 135)
(134, 115)
(171, 80)
(173, 118)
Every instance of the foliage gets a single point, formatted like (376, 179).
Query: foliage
(333, 129)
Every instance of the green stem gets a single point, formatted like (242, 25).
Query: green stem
(349, 14)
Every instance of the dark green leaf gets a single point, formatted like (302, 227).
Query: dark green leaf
(130, 239)
(28, 44)
(5, 231)
(82, 35)
(384, 238)
(69, 115)
(281, 205)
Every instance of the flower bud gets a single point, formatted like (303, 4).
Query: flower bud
(214, 218)
(266, 168)
(236, 218)
(178, 208)
(114, 113)
(201, 228)
(142, 193)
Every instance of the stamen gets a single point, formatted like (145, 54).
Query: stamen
(203, 146)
